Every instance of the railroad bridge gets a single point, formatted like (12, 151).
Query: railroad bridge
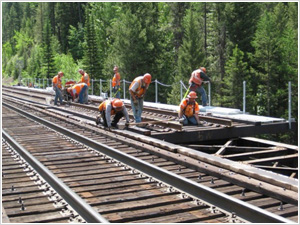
(161, 172)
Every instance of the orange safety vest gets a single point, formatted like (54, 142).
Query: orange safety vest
(102, 106)
(140, 90)
(57, 81)
(195, 77)
(77, 88)
(188, 108)
(116, 80)
(86, 79)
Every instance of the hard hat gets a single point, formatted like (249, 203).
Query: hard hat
(60, 73)
(192, 94)
(117, 103)
(203, 69)
(147, 78)
(81, 71)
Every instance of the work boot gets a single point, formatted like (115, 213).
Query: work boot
(98, 120)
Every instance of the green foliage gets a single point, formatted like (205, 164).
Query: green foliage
(191, 54)
(76, 39)
(66, 64)
(236, 73)
(236, 41)
(91, 52)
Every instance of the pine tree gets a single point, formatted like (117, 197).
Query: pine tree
(48, 65)
(236, 73)
(91, 55)
(191, 54)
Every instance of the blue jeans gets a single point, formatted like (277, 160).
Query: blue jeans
(189, 120)
(201, 91)
(116, 89)
(137, 109)
(57, 95)
(82, 95)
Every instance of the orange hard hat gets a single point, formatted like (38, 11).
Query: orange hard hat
(117, 103)
(192, 94)
(60, 73)
(147, 78)
(203, 69)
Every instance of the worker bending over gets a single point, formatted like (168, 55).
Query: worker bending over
(189, 109)
(78, 91)
(198, 77)
(137, 90)
(112, 107)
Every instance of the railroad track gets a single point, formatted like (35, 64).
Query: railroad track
(276, 157)
(105, 182)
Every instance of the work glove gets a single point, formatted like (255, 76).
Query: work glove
(181, 120)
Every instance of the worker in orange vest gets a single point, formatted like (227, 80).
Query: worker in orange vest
(189, 109)
(198, 77)
(85, 78)
(137, 90)
(56, 84)
(78, 91)
(112, 107)
(116, 82)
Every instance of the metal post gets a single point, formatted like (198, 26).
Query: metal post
(124, 86)
(209, 94)
(100, 87)
(180, 90)
(290, 105)
(92, 86)
(156, 94)
(110, 88)
(244, 97)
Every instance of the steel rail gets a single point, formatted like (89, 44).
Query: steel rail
(263, 175)
(77, 203)
(222, 201)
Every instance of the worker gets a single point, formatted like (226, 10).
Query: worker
(198, 77)
(85, 78)
(116, 82)
(189, 109)
(78, 91)
(112, 107)
(56, 84)
(137, 90)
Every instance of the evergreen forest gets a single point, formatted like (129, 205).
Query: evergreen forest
(256, 42)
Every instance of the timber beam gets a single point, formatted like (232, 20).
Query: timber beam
(225, 132)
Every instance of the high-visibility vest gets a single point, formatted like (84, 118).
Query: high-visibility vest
(196, 78)
(57, 81)
(116, 80)
(189, 109)
(86, 79)
(77, 88)
(102, 106)
(140, 90)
